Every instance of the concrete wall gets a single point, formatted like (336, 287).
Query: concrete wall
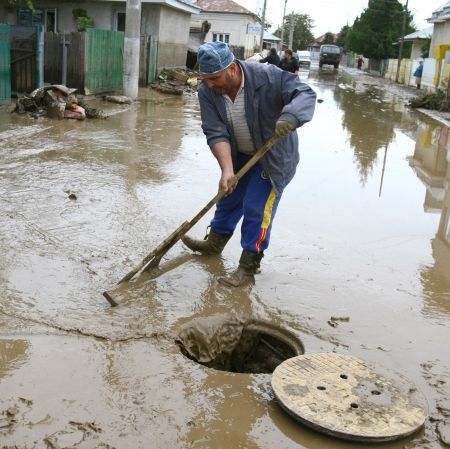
(151, 19)
(173, 38)
(233, 24)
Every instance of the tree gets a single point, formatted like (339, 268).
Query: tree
(379, 27)
(27, 3)
(303, 24)
(328, 38)
(267, 24)
(425, 49)
(341, 39)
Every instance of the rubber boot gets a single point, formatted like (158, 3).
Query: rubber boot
(245, 274)
(214, 243)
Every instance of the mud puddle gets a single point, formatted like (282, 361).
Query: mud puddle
(362, 233)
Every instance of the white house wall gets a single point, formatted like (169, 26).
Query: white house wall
(416, 50)
(233, 24)
(428, 74)
(441, 35)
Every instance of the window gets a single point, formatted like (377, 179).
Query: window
(120, 21)
(221, 37)
(50, 20)
(45, 17)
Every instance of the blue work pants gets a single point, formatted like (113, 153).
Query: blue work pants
(253, 198)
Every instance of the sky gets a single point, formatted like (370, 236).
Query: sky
(332, 15)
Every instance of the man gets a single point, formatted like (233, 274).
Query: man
(289, 63)
(271, 58)
(242, 106)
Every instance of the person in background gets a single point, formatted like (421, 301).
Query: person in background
(272, 57)
(418, 74)
(242, 106)
(289, 63)
(360, 62)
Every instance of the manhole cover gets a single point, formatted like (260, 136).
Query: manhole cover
(228, 344)
(343, 397)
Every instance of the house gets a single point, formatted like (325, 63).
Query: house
(418, 38)
(226, 21)
(271, 41)
(440, 39)
(166, 20)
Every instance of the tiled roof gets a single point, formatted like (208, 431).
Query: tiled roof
(222, 6)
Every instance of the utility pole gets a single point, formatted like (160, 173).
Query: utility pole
(131, 49)
(291, 31)
(282, 24)
(263, 24)
(400, 50)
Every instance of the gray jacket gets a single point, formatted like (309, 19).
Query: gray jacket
(270, 94)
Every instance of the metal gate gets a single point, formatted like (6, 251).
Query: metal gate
(23, 58)
(5, 64)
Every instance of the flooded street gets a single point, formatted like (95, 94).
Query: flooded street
(363, 231)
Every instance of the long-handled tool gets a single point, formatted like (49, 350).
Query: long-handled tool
(153, 258)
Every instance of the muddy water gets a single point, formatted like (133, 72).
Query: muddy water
(362, 232)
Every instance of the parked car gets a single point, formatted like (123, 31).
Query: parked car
(304, 58)
(330, 55)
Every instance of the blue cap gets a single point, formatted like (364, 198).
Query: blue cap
(213, 57)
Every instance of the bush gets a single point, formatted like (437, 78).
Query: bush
(438, 101)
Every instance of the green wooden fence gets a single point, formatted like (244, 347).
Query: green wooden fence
(104, 60)
(5, 64)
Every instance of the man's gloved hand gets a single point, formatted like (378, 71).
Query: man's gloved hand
(283, 128)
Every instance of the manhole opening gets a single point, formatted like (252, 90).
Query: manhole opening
(250, 347)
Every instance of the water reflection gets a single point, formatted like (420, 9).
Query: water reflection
(431, 163)
(369, 128)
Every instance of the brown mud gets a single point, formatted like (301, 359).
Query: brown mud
(361, 240)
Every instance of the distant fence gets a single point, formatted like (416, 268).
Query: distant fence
(94, 60)
(104, 60)
(75, 44)
(435, 74)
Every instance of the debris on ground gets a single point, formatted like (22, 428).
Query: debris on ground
(119, 99)
(55, 101)
(175, 81)
(333, 321)
(439, 100)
